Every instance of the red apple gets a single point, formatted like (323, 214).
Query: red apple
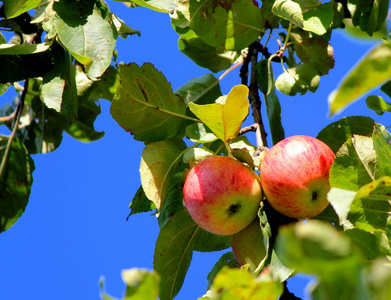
(295, 176)
(222, 195)
(248, 246)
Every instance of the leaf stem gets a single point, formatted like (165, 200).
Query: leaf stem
(18, 113)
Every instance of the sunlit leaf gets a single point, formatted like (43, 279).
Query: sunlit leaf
(373, 69)
(140, 284)
(199, 133)
(193, 156)
(226, 260)
(232, 27)
(145, 104)
(377, 104)
(225, 116)
(14, 8)
(166, 6)
(58, 90)
(355, 164)
(15, 182)
(317, 52)
(84, 28)
(382, 144)
(174, 251)
(337, 133)
(157, 162)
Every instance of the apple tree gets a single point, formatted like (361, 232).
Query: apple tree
(60, 58)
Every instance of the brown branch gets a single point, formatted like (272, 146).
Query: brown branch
(255, 100)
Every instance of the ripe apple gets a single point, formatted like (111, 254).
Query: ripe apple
(248, 246)
(222, 195)
(295, 176)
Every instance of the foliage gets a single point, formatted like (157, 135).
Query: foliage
(66, 61)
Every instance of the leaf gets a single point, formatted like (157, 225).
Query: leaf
(199, 133)
(206, 56)
(369, 206)
(200, 90)
(317, 52)
(15, 184)
(377, 104)
(173, 253)
(123, 30)
(231, 26)
(157, 162)
(240, 284)
(209, 242)
(228, 260)
(19, 63)
(354, 165)
(366, 243)
(140, 203)
(373, 69)
(193, 156)
(224, 118)
(307, 248)
(83, 27)
(289, 10)
(337, 133)
(273, 108)
(318, 20)
(145, 104)
(381, 142)
(165, 6)
(140, 284)
(14, 8)
(299, 79)
(386, 88)
(58, 90)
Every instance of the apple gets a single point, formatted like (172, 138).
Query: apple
(295, 176)
(248, 246)
(222, 195)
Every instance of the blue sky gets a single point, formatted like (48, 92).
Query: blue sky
(74, 229)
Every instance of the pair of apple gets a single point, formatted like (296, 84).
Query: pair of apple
(223, 196)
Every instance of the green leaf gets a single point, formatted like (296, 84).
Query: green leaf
(14, 8)
(373, 69)
(378, 104)
(369, 206)
(380, 279)
(318, 20)
(225, 116)
(317, 52)
(173, 252)
(199, 133)
(15, 183)
(240, 284)
(209, 242)
(299, 79)
(145, 104)
(307, 248)
(157, 163)
(226, 260)
(386, 88)
(290, 11)
(140, 284)
(206, 56)
(85, 29)
(140, 203)
(231, 26)
(200, 90)
(19, 62)
(355, 164)
(58, 90)
(273, 108)
(193, 155)
(381, 142)
(123, 30)
(165, 6)
(366, 243)
(337, 133)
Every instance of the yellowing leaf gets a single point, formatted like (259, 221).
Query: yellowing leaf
(372, 70)
(225, 116)
(157, 161)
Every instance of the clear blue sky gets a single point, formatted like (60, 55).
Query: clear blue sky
(74, 229)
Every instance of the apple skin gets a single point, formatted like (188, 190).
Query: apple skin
(222, 195)
(295, 176)
(248, 246)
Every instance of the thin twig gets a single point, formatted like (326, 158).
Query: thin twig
(18, 113)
